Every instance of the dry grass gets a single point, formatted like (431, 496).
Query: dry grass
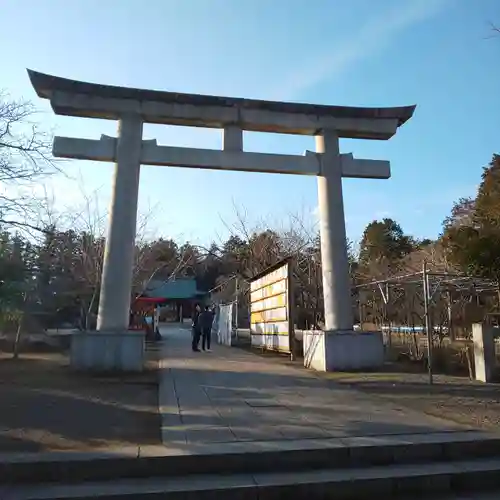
(453, 398)
(44, 406)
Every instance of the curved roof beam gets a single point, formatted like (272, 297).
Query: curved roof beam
(90, 100)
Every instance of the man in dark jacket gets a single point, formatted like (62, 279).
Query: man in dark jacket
(196, 329)
(206, 320)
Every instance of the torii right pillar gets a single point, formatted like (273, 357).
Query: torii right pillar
(338, 347)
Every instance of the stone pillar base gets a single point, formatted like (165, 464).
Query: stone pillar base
(107, 351)
(343, 351)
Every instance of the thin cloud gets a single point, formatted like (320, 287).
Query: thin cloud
(372, 37)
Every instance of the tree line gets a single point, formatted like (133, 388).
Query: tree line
(50, 267)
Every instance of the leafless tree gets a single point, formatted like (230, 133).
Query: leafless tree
(150, 258)
(495, 29)
(20, 319)
(25, 158)
(151, 263)
(265, 244)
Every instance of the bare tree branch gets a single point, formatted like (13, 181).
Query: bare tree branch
(25, 158)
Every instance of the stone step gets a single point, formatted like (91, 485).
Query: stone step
(429, 480)
(251, 457)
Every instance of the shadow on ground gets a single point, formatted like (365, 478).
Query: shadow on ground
(454, 398)
(239, 394)
(243, 404)
(44, 406)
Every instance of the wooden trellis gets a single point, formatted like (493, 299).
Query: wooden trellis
(436, 303)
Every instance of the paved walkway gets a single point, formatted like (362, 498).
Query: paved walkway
(231, 395)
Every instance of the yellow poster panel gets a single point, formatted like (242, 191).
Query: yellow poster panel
(276, 275)
(277, 328)
(270, 303)
(269, 316)
(268, 291)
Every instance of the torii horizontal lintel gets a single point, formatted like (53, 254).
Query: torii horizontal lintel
(359, 168)
(152, 154)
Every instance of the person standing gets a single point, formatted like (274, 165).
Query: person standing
(196, 329)
(206, 320)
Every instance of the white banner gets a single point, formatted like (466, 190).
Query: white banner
(225, 324)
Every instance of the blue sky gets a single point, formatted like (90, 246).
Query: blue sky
(433, 53)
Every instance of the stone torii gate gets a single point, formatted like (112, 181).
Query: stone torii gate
(112, 346)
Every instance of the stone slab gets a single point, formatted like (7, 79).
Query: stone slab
(183, 458)
(343, 351)
(360, 483)
(231, 395)
(107, 351)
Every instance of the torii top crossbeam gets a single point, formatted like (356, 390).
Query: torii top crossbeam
(75, 98)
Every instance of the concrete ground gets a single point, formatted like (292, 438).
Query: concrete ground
(230, 396)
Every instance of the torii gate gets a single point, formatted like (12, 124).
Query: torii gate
(134, 107)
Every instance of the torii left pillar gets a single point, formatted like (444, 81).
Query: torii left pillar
(116, 283)
(122, 350)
